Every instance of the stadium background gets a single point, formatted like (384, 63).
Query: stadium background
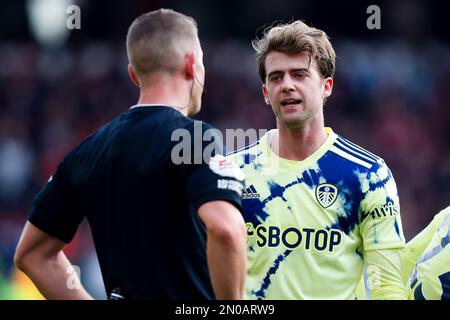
(391, 96)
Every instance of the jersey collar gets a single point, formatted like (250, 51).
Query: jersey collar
(298, 165)
(156, 105)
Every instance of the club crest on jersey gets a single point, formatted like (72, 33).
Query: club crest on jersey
(326, 194)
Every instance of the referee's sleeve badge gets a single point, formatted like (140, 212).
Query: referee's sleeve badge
(225, 167)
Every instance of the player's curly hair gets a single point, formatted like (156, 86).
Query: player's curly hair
(295, 38)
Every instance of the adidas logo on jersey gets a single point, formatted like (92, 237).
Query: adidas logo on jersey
(250, 193)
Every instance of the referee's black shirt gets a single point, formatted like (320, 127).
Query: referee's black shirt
(141, 207)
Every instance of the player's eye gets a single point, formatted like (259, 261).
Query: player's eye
(300, 75)
(275, 77)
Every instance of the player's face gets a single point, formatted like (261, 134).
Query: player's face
(199, 81)
(294, 88)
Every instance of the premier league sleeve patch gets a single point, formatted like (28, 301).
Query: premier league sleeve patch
(225, 167)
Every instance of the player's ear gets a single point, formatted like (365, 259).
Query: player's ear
(327, 87)
(190, 65)
(133, 76)
(266, 94)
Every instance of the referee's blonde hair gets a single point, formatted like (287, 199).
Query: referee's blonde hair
(158, 41)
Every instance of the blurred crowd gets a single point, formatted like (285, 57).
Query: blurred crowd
(389, 97)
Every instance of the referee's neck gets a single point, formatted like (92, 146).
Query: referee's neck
(165, 95)
(155, 101)
(166, 90)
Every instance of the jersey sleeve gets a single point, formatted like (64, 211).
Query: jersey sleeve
(213, 177)
(430, 275)
(380, 223)
(384, 274)
(415, 248)
(54, 208)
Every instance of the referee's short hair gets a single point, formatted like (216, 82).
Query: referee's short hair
(158, 41)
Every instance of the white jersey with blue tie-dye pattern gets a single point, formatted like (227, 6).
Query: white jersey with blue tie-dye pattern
(309, 222)
(430, 277)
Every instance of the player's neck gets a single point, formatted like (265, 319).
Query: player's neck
(299, 143)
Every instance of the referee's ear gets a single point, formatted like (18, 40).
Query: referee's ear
(133, 75)
(190, 65)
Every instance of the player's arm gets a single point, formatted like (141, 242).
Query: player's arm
(40, 256)
(226, 248)
(382, 234)
(384, 269)
(415, 248)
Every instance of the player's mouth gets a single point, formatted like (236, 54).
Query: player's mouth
(291, 102)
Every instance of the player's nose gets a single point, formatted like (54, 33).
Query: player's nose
(288, 84)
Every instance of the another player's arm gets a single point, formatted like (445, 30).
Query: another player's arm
(226, 248)
(415, 248)
(40, 256)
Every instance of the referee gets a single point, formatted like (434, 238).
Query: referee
(162, 229)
